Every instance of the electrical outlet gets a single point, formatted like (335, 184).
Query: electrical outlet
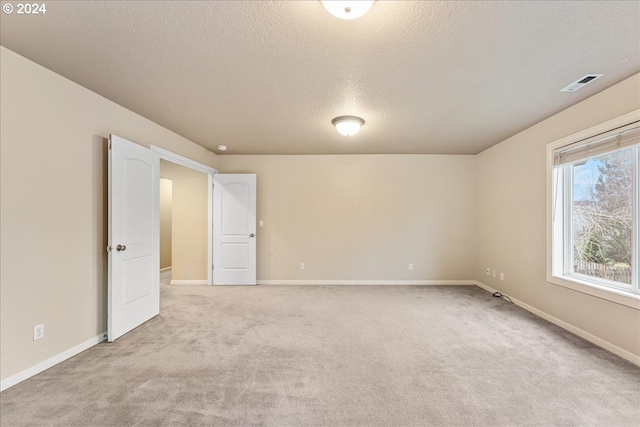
(410, 267)
(501, 276)
(488, 271)
(302, 266)
(38, 332)
(261, 223)
(493, 273)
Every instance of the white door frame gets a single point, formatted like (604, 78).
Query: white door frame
(200, 167)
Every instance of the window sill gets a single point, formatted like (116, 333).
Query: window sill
(618, 296)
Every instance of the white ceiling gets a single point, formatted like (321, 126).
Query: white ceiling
(267, 77)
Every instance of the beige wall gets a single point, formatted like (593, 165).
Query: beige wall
(511, 219)
(189, 221)
(355, 217)
(53, 207)
(166, 218)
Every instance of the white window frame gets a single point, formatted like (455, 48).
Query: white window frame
(558, 248)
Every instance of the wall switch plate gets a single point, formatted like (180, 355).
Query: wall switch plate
(493, 273)
(261, 223)
(488, 271)
(38, 332)
(302, 266)
(501, 276)
(410, 267)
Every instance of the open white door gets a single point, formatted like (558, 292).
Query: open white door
(234, 229)
(134, 236)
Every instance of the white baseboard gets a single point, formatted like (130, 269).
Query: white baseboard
(188, 282)
(165, 269)
(486, 288)
(635, 359)
(366, 282)
(42, 366)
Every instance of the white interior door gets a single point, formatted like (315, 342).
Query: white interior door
(134, 236)
(234, 229)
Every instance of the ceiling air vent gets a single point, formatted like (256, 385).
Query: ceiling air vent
(579, 84)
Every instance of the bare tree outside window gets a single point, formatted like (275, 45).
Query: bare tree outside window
(603, 216)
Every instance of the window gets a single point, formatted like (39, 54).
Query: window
(594, 179)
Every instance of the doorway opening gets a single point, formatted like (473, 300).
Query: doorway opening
(186, 225)
(133, 232)
(166, 228)
(183, 224)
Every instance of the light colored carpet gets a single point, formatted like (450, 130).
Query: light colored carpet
(334, 356)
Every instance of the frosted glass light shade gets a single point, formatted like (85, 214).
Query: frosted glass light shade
(348, 125)
(347, 9)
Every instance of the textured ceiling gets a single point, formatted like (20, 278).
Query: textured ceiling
(267, 77)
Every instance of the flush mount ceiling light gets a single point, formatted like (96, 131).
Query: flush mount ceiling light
(222, 147)
(347, 125)
(347, 9)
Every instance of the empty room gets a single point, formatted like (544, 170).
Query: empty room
(320, 213)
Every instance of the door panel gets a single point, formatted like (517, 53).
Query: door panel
(234, 229)
(134, 236)
(235, 199)
(137, 283)
(235, 256)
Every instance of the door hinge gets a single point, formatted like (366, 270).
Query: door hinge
(213, 267)
(109, 143)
